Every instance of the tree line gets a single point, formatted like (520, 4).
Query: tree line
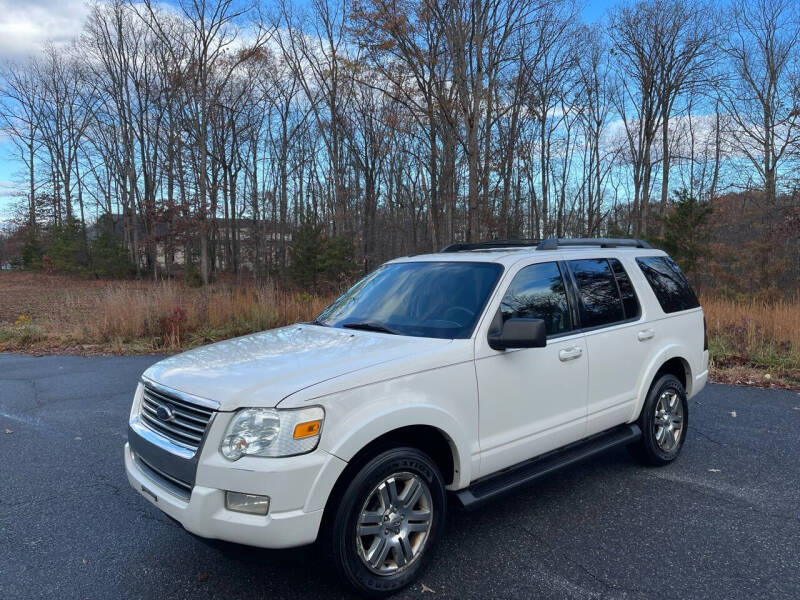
(216, 133)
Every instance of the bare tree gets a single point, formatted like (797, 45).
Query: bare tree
(760, 95)
(685, 37)
(550, 66)
(20, 116)
(478, 33)
(400, 125)
(663, 49)
(316, 50)
(595, 101)
(405, 44)
(67, 111)
(212, 60)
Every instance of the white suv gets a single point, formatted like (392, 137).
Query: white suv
(471, 371)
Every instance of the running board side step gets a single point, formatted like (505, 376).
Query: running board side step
(508, 480)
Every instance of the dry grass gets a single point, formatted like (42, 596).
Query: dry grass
(171, 316)
(754, 341)
(50, 313)
(750, 341)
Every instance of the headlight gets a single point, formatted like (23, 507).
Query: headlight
(272, 432)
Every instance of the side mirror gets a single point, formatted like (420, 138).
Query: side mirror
(517, 333)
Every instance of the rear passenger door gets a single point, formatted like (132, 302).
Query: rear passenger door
(618, 346)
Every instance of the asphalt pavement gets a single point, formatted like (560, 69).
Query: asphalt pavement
(721, 522)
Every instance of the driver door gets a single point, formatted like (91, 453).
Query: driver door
(532, 400)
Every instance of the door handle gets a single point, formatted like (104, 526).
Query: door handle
(646, 334)
(569, 354)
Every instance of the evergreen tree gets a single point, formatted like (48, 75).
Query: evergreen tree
(107, 254)
(317, 261)
(306, 253)
(685, 237)
(65, 247)
(338, 261)
(31, 250)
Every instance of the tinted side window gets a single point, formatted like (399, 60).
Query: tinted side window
(669, 285)
(538, 292)
(629, 300)
(598, 291)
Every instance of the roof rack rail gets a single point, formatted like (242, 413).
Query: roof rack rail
(556, 243)
(489, 244)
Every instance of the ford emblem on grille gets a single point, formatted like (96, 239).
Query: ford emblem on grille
(164, 413)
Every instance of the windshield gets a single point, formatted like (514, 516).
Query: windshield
(423, 299)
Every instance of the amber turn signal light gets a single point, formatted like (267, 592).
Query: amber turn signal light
(307, 429)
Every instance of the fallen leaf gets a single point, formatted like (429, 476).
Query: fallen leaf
(7, 431)
(84, 561)
(425, 588)
(714, 471)
(733, 413)
(202, 577)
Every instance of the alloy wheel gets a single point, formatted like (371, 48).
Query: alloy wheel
(668, 421)
(394, 523)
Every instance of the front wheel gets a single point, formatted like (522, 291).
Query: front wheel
(387, 520)
(663, 421)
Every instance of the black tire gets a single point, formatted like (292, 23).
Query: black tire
(648, 449)
(342, 544)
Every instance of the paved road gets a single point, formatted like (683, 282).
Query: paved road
(723, 522)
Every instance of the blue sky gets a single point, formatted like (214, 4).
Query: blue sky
(594, 9)
(26, 24)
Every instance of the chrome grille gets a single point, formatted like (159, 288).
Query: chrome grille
(186, 423)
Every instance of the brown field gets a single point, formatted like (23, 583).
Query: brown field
(751, 342)
(51, 313)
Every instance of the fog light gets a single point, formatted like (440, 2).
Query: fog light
(247, 503)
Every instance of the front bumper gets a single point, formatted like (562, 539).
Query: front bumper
(298, 488)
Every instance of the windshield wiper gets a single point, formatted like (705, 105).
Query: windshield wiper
(370, 327)
(317, 322)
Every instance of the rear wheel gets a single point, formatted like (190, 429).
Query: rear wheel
(663, 421)
(386, 521)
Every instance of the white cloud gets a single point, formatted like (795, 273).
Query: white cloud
(8, 190)
(25, 25)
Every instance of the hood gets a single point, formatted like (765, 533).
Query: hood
(263, 368)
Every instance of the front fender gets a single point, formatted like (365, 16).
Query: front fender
(445, 399)
(389, 420)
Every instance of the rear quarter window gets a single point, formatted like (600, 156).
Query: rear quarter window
(668, 283)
